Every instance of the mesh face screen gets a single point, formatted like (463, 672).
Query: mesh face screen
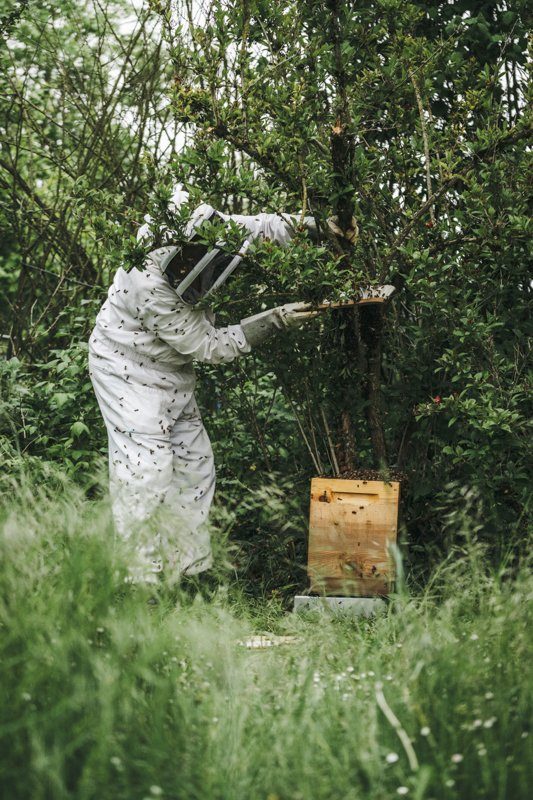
(219, 264)
(185, 260)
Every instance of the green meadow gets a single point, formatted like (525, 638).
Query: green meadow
(111, 690)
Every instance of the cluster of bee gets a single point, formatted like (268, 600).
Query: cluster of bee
(374, 475)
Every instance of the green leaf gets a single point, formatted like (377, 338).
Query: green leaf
(78, 428)
(59, 399)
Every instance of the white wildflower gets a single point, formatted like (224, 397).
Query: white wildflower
(457, 758)
(392, 758)
(489, 722)
(474, 637)
(425, 731)
(402, 790)
(489, 695)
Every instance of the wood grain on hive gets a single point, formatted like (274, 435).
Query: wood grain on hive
(352, 523)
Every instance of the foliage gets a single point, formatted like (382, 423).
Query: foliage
(50, 411)
(81, 112)
(429, 100)
(104, 695)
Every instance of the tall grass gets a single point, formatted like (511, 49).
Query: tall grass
(107, 696)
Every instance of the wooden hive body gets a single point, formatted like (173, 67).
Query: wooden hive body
(351, 524)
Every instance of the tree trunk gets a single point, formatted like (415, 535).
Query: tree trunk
(371, 333)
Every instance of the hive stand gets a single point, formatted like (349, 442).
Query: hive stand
(352, 524)
(345, 606)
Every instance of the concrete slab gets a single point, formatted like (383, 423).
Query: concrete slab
(265, 640)
(352, 606)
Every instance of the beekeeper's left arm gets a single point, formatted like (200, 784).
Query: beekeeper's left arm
(279, 228)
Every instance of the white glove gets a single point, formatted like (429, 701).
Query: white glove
(260, 326)
(351, 233)
(293, 315)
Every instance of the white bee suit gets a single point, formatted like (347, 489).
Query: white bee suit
(141, 354)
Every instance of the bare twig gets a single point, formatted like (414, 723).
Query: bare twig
(426, 143)
(313, 436)
(304, 189)
(334, 461)
(304, 437)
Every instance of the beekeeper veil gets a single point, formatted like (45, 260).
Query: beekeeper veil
(193, 269)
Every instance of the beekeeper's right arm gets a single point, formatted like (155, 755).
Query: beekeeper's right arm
(188, 330)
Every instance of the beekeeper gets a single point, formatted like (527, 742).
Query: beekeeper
(147, 335)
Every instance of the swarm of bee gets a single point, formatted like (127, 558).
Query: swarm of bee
(373, 475)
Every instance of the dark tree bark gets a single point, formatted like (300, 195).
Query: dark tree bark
(371, 329)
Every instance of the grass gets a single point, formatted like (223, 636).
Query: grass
(104, 695)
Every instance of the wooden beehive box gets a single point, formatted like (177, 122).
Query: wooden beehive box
(351, 524)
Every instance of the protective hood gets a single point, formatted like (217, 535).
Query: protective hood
(179, 197)
(194, 271)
